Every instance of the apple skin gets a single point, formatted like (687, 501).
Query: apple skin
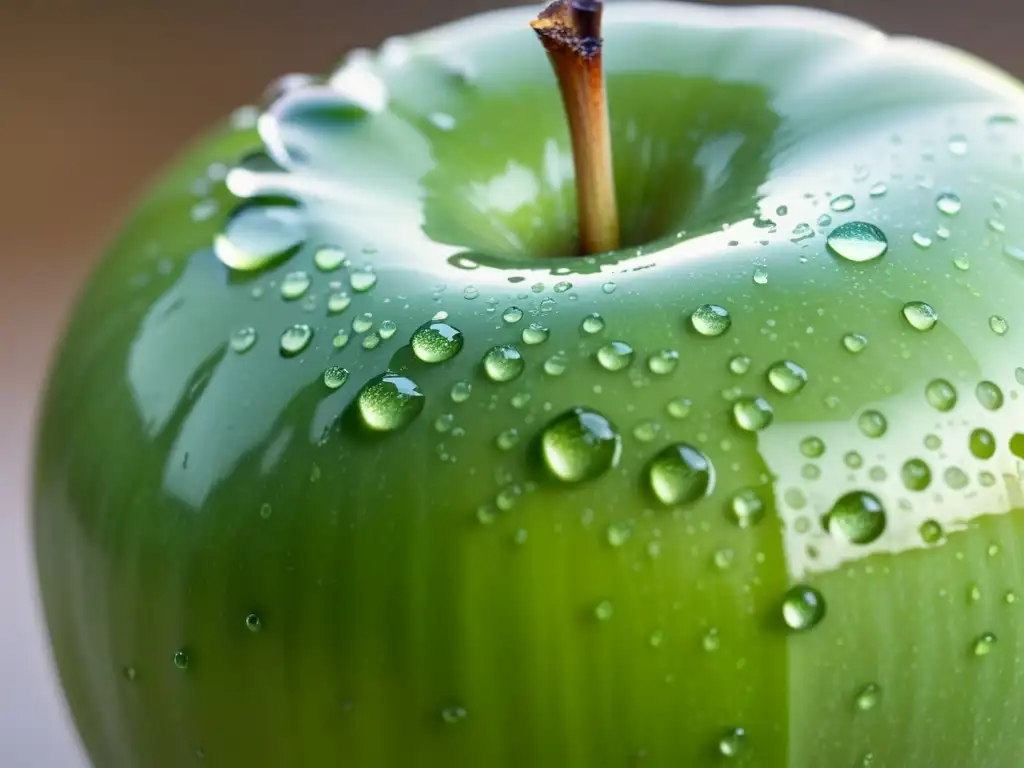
(236, 572)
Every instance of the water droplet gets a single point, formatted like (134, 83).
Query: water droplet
(535, 333)
(604, 610)
(961, 263)
(460, 392)
(503, 363)
(740, 364)
(340, 339)
(921, 240)
(857, 241)
(921, 316)
(931, 531)
(294, 285)
(512, 315)
(645, 431)
(266, 511)
(752, 413)
(955, 478)
(982, 444)
(958, 145)
(295, 339)
(998, 325)
(787, 377)
(857, 517)
(803, 607)
(663, 362)
(732, 742)
(948, 203)
(878, 189)
(941, 395)
(746, 508)
(615, 356)
(618, 534)
(872, 424)
(436, 342)
(989, 395)
(916, 474)
(855, 342)
(253, 622)
(843, 203)
(335, 377)
(761, 275)
(580, 445)
(130, 673)
(389, 402)
(680, 474)
(453, 715)
(243, 340)
(723, 558)
(711, 320)
(258, 235)
(555, 365)
(679, 407)
(181, 659)
(470, 292)
(508, 439)
(812, 447)
(362, 323)
(867, 698)
(853, 460)
(592, 324)
(338, 302)
(984, 645)
(329, 259)
(362, 280)
(608, 287)
(710, 640)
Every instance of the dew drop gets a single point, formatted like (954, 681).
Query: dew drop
(680, 474)
(389, 402)
(503, 363)
(340, 339)
(916, 474)
(872, 424)
(615, 356)
(362, 323)
(580, 445)
(604, 610)
(335, 377)
(812, 447)
(512, 315)
(921, 316)
(803, 607)
(867, 698)
(181, 659)
(787, 377)
(338, 302)
(555, 365)
(957, 145)
(857, 517)
(982, 444)
(752, 413)
(535, 333)
(592, 324)
(460, 391)
(921, 240)
(258, 235)
(857, 241)
(931, 532)
(679, 407)
(732, 743)
(740, 364)
(295, 339)
(989, 395)
(878, 190)
(941, 395)
(608, 287)
(453, 715)
(711, 320)
(253, 622)
(243, 340)
(843, 203)
(436, 342)
(984, 644)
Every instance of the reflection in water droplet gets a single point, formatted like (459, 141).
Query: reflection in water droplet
(503, 363)
(243, 340)
(752, 413)
(921, 316)
(580, 445)
(803, 607)
(615, 356)
(787, 377)
(295, 339)
(711, 320)
(258, 235)
(436, 342)
(680, 474)
(857, 517)
(989, 395)
(389, 402)
(949, 204)
(857, 241)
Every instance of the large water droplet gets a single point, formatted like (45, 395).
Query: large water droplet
(615, 356)
(858, 241)
(503, 363)
(857, 517)
(752, 413)
(803, 607)
(295, 339)
(710, 320)
(389, 402)
(259, 234)
(920, 315)
(787, 377)
(436, 342)
(579, 445)
(680, 474)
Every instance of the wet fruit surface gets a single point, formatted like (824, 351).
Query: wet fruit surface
(345, 459)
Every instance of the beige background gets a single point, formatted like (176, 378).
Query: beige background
(95, 96)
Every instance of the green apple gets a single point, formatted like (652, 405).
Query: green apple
(347, 458)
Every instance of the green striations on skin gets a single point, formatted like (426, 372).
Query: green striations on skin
(407, 486)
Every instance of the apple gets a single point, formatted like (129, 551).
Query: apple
(350, 457)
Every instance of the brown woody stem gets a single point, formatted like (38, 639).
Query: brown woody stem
(570, 31)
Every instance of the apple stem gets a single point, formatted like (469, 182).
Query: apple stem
(570, 31)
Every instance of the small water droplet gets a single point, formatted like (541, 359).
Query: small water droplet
(941, 395)
(921, 240)
(679, 407)
(733, 742)
(921, 316)
(982, 444)
(739, 364)
(948, 203)
(329, 259)
(761, 275)
(335, 377)
(389, 402)
(615, 356)
(787, 377)
(958, 145)
(843, 203)
(680, 474)
(989, 395)
(243, 340)
(338, 302)
(181, 659)
(608, 287)
(812, 447)
(746, 508)
(604, 610)
(555, 365)
(984, 644)
(867, 698)
(580, 445)
(855, 342)
(916, 474)
(592, 323)
(362, 280)
(752, 413)
(803, 607)
(663, 362)
(258, 234)
(363, 322)
(436, 342)
(340, 339)
(872, 424)
(460, 392)
(503, 363)
(878, 189)
(453, 715)
(857, 517)
(857, 241)
(512, 315)
(618, 534)
(998, 325)
(535, 333)
(294, 285)
(295, 339)
(711, 320)
(253, 622)
(931, 531)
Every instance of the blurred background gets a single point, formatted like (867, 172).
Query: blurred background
(96, 97)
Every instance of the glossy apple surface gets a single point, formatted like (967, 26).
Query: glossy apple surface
(345, 461)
